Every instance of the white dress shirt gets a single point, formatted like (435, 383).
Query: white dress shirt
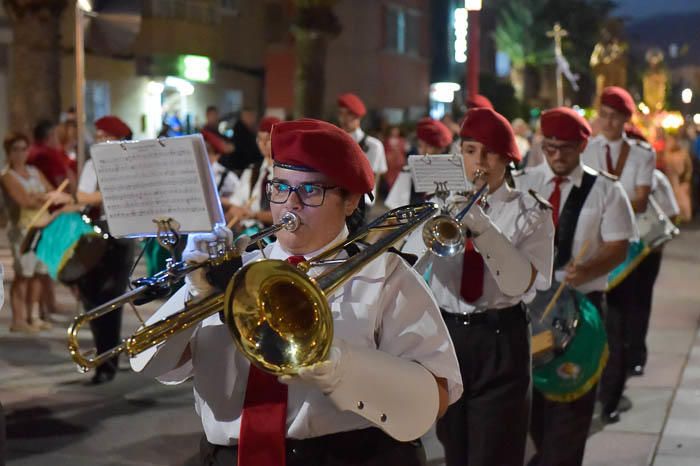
(663, 194)
(386, 306)
(87, 182)
(375, 154)
(606, 214)
(638, 169)
(529, 228)
(230, 184)
(244, 195)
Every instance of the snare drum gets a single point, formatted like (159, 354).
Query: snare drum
(569, 345)
(655, 230)
(71, 246)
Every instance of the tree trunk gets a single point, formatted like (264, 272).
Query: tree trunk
(310, 73)
(35, 64)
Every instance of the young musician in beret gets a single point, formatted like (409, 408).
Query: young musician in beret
(587, 207)
(633, 161)
(433, 138)
(481, 293)
(392, 366)
(111, 277)
(351, 110)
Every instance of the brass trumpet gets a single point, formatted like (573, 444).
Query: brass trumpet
(444, 234)
(278, 317)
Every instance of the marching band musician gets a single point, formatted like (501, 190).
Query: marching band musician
(481, 293)
(433, 138)
(633, 162)
(384, 316)
(225, 179)
(646, 273)
(586, 207)
(110, 277)
(250, 203)
(351, 109)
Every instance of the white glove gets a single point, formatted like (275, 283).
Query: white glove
(197, 252)
(476, 220)
(325, 375)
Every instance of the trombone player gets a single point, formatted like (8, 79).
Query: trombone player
(508, 255)
(387, 326)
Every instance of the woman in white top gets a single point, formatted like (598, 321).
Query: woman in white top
(26, 191)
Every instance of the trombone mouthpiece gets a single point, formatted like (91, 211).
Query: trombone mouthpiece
(290, 221)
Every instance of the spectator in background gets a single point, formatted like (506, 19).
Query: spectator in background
(212, 126)
(694, 136)
(679, 169)
(395, 147)
(48, 157)
(522, 135)
(67, 133)
(26, 190)
(246, 152)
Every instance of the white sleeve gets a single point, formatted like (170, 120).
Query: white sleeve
(665, 196)
(88, 178)
(378, 157)
(645, 174)
(242, 191)
(400, 192)
(537, 244)
(412, 328)
(618, 221)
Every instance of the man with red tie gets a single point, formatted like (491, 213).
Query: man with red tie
(633, 162)
(508, 256)
(587, 207)
(391, 371)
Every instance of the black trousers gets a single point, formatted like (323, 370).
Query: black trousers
(366, 447)
(560, 430)
(107, 281)
(638, 325)
(621, 302)
(488, 425)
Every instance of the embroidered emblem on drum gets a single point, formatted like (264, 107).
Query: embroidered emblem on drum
(569, 371)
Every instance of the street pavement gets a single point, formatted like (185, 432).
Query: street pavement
(54, 418)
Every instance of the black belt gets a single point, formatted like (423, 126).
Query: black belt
(493, 317)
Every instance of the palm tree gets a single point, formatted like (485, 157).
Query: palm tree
(35, 60)
(315, 24)
(522, 36)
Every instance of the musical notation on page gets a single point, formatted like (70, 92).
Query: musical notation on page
(143, 180)
(437, 172)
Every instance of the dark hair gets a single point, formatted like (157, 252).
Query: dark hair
(212, 108)
(42, 130)
(12, 138)
(357, 218)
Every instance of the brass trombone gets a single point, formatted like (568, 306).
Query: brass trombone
(278, 317)
(444, 234)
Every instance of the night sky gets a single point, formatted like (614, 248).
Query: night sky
(636, 9)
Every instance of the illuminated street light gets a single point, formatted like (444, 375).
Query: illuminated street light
(687, 95)
(696, 118)
(443, 92)
(643, 108)
(85, 5)
(472, 5)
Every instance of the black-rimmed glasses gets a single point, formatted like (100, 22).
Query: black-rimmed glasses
(310, 194)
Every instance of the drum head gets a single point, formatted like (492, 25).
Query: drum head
(561, 320)
(86, 254)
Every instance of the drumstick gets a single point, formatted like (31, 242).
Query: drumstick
(46, 205)
(235, 218)
(554, 299)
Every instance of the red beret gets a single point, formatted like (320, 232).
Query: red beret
(216, 142)
(114, 126)
(491, 129)
(634, 132)
(564, 123)
(433, 133)
(618, 99)
(353, 103)
(479, 101)
(265, 125)
(314, 145)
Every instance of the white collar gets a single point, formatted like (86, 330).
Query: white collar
(614, 145)
(576, 175)
(502, 194)
(357, 135)
(278, 252)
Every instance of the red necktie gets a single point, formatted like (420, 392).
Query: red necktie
(555, 199)
(472, 274)
(608, 160)
(261, 441)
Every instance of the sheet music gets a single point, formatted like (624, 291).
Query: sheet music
(143, 180)
(444, 171)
